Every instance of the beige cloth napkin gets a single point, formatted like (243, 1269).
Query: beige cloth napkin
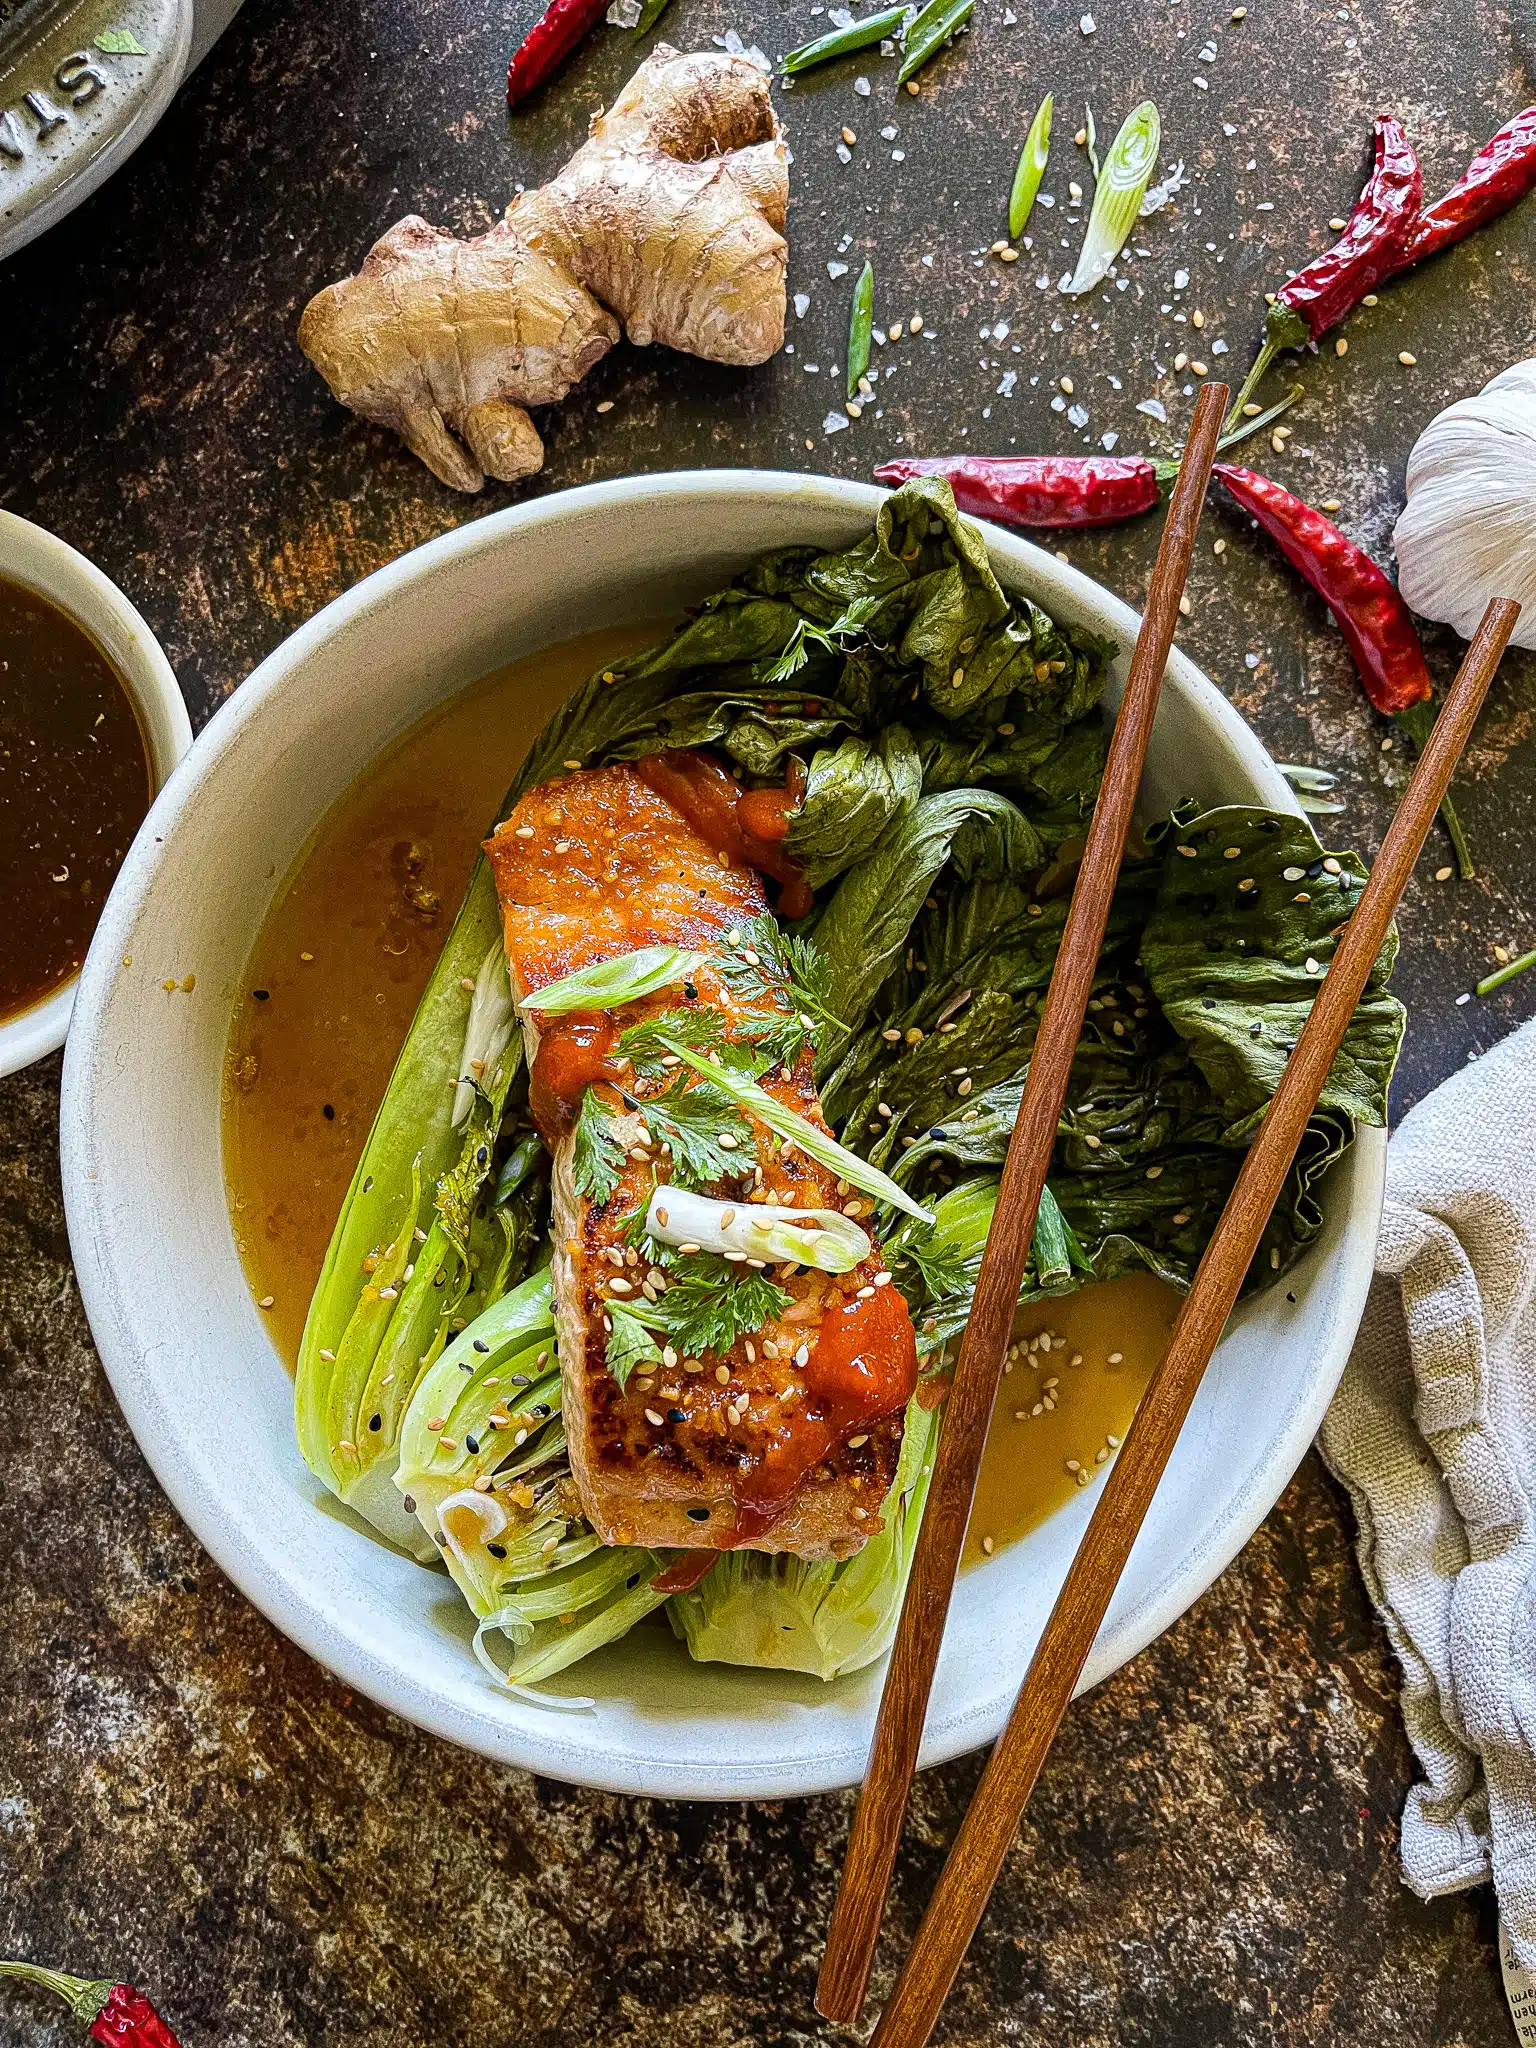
(1433, 1430)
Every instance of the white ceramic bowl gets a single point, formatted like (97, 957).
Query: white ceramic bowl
(185, 1347)
(44, 563)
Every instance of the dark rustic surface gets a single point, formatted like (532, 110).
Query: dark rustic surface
(1211, 1855)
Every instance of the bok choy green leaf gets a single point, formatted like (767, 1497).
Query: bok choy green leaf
(785, 1614)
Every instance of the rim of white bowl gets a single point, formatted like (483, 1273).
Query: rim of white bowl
(38, 560)
(326, 1635)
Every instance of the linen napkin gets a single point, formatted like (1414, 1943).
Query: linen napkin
(1433, 1431)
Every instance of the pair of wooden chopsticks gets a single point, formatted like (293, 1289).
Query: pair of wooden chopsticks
(974, 1862)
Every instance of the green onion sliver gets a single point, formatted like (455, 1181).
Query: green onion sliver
(860, 322)
(1026, 179)
(857, 36)
(925, 36)
(1117, 198)
(788, 1123)
(624, 979)
(1505, 973)
(650, 14)
(823, 1238)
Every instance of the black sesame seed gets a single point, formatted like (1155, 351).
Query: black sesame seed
(688, 988)
(1291, 1298)
(521, 1379)
(677, 1415)
(1207, 1002)
(328, 1112)
(1314, 870)
(368, 1185)
(938, 1131)
(1255, 1030)
(481, 1155)
(440, 1540)
(472, 1445)
(634, 1578)
(261, 994)
(465, 1368)
(410, 1505)
(497, 1549)
(375, 1422)
(698, 1514)
(539, 1408)
(480, 1345)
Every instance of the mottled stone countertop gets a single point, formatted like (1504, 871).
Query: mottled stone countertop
(1211, 1855)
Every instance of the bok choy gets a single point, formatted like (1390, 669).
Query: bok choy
(951, 748)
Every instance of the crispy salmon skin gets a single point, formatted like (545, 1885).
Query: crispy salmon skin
(771, 1443)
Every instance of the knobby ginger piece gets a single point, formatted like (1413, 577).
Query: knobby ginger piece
(669, 219)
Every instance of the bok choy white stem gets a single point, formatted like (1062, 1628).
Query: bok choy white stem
(487, 1030)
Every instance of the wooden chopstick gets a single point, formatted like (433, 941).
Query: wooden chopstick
(872, 1844)
(966, 1882)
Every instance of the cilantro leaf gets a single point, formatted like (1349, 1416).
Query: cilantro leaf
(942, 1269)
(630, 1343)
(598, 1160)
(710, 1302)
(641, 1044)
(708, 1136)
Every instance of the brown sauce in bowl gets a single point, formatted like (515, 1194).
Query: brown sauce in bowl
(75, 784)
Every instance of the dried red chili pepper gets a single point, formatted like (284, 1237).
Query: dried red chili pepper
(117, 2014)
(1503, 171)
(1039, 490)
(1372, 616)
(548, 43)
(1331, 285)
(1384, 219)
(1059, 490)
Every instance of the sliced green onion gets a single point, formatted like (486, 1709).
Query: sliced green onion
(818, 1145)
(1026, 179)
(1092, 139)
(650, 14)
(624, 979)
(1300, 777)
(823, 1238)
(1505, 973)
(860, 322)
(1117, 198)
(927, 34)
(858, 35)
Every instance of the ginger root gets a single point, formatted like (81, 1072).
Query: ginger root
(669, 217)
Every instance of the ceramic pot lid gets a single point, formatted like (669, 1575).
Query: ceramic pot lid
(81, 84)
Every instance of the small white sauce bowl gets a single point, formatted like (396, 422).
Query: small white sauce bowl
(42, 562)
(183, 1341)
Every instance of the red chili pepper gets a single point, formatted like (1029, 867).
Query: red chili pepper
(548, 43)
(117, 2015)
(1503, 171)
(1061, 490)
(1039, 490)
(1384, 219)
(1371, 615)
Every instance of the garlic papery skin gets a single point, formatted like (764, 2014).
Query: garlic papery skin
(823, 1238)
(1468, 531)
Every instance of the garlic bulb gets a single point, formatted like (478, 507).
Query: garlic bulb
(1468, 531)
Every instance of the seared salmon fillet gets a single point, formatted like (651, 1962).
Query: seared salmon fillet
(770, 1444)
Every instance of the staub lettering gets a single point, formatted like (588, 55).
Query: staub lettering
(78, 78)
